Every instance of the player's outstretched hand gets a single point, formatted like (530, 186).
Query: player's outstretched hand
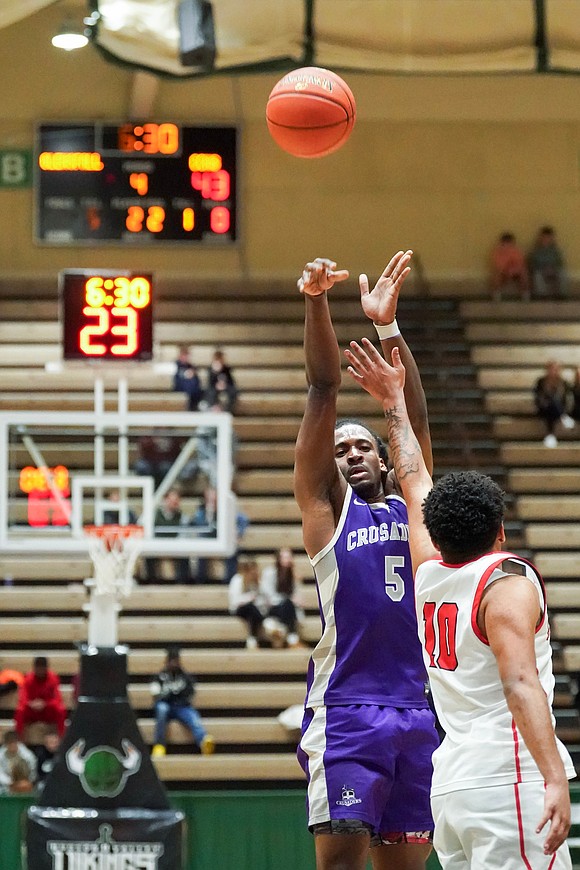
(367, 367)
(557, 812)
(319, 276)
(380, 303)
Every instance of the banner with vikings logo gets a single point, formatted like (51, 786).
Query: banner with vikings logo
(103, 806)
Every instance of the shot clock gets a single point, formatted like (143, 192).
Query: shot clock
(106, 315)
(135, 184)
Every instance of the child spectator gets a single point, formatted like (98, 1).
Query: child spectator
(285, 614)
(173, 690)
(167, 523)
(551, 397)
(46, 754)
(222, 390)
(39, 699)
(248, 601)
(186, 379)
(17, 766)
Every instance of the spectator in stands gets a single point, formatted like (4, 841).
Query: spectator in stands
(186, 379)
(552, 394)
(112, 515)
(39, 699)
(547, 265)
(248, 600)
(285, 613)
(205, 518)
(576, 395)
(508, 265)
(17, 766)
(46, 754)
(222, 390)
(173, 691)
(167, 523)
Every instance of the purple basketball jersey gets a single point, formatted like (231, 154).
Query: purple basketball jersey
(369, 652)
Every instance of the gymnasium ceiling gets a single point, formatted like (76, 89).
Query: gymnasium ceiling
(377, 36)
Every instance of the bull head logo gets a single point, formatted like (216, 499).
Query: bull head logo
(103, 771)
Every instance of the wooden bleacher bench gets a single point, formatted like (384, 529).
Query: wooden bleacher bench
(201, 662)
(558, 565)
(507, 332)
(543, 536)
(155, 599)
(521, 453)
(268, 695)
(227, 730)
(544, 480)
(556, 507)
(150, 629)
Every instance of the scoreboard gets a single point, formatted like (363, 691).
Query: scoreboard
(135, 184)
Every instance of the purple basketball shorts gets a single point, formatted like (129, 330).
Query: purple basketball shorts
(369, 763)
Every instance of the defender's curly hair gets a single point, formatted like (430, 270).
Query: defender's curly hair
(463, 514)
(353, 421)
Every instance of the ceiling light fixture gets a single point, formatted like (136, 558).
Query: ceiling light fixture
(70, 37)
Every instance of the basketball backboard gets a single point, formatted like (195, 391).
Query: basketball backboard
(61, 471)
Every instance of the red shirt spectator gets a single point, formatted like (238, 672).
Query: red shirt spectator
(39, 699)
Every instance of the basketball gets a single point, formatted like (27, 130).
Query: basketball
(310, 112)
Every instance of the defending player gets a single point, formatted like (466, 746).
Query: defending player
(500, 774)
(368, 733)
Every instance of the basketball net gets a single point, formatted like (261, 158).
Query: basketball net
(114, 550)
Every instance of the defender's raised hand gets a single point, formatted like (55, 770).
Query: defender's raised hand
(319, 276)
(380, 303)
(367, 367)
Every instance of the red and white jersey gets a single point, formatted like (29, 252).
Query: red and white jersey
(482, 745)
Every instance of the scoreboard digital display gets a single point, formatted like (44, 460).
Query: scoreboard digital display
(135, 184)
(106, 315)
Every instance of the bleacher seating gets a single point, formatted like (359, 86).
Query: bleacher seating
(510, 345)
(480, 417)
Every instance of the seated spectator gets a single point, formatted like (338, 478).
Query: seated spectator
(112, 515)
(39, 699)
(508, 265)
(222, 391)
(17, 766)
(167, 522)
(551, 397)
(173, 691)
(547, 265)
(285, 613)
(186, 379)
(46, 754)
(576, 396)
(248, 601)
(205, 518)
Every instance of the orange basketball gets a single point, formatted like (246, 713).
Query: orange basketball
(310, 112)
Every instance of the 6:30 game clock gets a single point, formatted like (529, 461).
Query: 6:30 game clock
(106, 315)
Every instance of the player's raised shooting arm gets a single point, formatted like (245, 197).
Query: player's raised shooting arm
(318, 486)
(380, 306)
(386, 384)
(508, 616)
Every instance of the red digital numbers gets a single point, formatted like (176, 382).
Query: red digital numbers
(48, 495)
(212, 185)
(127, 329)
(107, 316)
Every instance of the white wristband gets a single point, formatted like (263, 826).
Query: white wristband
(387, 330)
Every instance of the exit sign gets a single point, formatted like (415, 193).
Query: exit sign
(16, 168)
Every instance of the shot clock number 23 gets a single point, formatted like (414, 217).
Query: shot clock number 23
(106, 315)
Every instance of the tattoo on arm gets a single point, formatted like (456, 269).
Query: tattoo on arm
(403, 445)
